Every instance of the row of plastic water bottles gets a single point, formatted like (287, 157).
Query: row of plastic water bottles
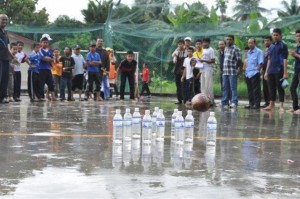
(149, 127)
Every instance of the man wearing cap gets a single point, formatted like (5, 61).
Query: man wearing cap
(104, 66)
(80, 64)
(46, 58)
(4, 58)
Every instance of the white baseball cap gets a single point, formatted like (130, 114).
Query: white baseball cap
(188, 38)
(46, 36)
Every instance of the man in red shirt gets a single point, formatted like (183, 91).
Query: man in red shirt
(146, 79)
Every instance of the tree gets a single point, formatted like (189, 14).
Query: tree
(153, 9)
(97, 11)
(289, 9)
(244, 8)
(222, 6)
(66, 21)
(24, 12)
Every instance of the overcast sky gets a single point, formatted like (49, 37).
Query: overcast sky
(72, 8)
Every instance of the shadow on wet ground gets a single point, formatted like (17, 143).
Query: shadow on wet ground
(65, 150)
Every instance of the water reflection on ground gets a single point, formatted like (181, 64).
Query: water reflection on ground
(63, 150)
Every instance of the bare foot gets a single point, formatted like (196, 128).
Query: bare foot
(268, 108)
(291, 110)
(281, 110)
(297, 112)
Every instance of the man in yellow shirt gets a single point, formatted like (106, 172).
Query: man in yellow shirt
(56, 71)
(197, 54)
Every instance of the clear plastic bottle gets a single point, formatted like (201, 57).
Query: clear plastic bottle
(179, 128)
(147, 128)
(127, 125)
(211, 131)
(154, 127)
(118, 127)
(173, 124)
(189, 127)
(160, 125)
(136, 124)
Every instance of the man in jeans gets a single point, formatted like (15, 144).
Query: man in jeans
(231, 67)
(253, 67)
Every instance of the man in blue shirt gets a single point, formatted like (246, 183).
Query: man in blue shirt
(93, 63)
(296, 77)
(45, 60)
(253, 67)
(276, 70)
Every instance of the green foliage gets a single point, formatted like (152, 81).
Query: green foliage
(289, 9)
(244, 8)
(97, 11)
(66, 21)
(82, 39)
(23, 12)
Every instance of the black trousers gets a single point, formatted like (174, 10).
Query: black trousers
(266, 89)
(197, 86)
(46, 78)
(254, 93)
(178, 87)
(33, 84)
(145, 88)
(4, 75)
(94, 77)
(293, 89)
(274, 84)
(130, 76)
(17, 84)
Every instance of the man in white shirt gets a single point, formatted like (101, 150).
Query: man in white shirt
(188, 76)
(208, 60)
(80, 64)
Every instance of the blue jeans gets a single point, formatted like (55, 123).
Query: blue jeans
(231, 82)
(105, 85)
(63, 83)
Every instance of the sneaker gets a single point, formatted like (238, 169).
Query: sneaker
(4, 101)
(10, 99)
(18, 100)
(232, 105)
(178, 103)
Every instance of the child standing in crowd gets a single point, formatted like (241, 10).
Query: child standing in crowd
(33, 74)
(13, 63)
(80, 64)
(296, 77)
(93, 63)
(21, 57)
(127, 70)
(188, 76)
(56, 71)
(46, 58)
(198, 55)
(112, 71)
(66, 78)
(146, 79)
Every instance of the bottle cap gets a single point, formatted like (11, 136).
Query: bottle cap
(212, 113)
(190, 112)
(118, 111)
(175, 110)
(147, 112)
(156, 109)
(161, 111)
(128, 110)
(136, 109)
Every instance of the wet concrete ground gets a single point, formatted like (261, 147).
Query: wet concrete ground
(64, 150)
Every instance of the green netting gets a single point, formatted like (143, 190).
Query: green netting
(147, 29)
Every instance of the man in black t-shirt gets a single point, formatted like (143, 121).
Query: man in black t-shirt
(4, 58)
(66, 78)
(127, 70)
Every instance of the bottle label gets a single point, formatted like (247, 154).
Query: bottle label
(147, 125)
(127, 123)
(117, 123)
(160, 123)
(136, 120)
(179, 125)
(211, 126)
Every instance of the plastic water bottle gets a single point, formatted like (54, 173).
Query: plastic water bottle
(160, 124)
(173, 124)
(136, 124)
(189, 127)
(118, 127)
(127, 125)
(147, 128)
(179, 128)
(211, 130)
(154, 127)
(188, 154)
